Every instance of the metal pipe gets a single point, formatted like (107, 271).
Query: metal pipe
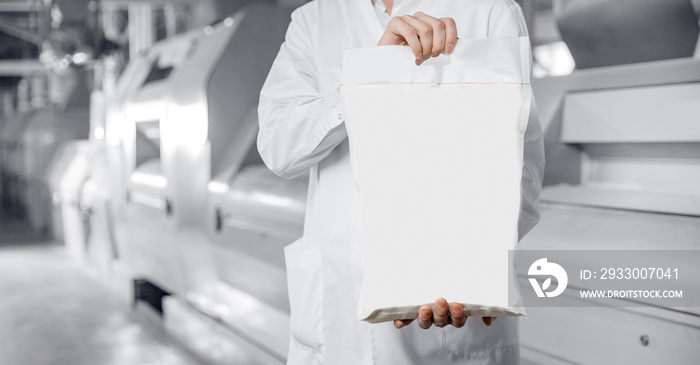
(23, 104)
(696, 7)
(21, 68)
(124, 4)
(8, 102)
(9, 28)
(170, 15)
(141, 31)
(18, 7)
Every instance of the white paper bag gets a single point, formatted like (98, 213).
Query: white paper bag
(437, 153)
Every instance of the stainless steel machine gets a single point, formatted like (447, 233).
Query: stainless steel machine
(193, 209)
(622, 147)
(249, 214)
(624, 175)
(185, 203)
(146, 219)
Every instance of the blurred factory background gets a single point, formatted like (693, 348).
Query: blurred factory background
(138, 224)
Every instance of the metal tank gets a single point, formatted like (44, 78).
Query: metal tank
(622, 146)
(10, 132)
(29, 140)
(47, 130)
(11, 153)
(7, 112)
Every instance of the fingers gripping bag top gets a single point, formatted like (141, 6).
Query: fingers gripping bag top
(437, 155)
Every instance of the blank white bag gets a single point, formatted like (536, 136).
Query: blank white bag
(437, 153)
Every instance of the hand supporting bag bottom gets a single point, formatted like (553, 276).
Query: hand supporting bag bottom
(437, 155)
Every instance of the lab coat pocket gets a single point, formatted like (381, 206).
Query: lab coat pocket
(305, 283)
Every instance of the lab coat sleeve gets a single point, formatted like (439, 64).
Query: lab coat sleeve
(299, 125)
(507, 20)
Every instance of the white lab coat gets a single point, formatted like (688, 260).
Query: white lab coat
(302, 132)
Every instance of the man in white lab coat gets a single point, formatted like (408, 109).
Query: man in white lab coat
(302, 132)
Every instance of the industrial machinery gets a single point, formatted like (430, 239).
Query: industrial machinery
(29, 141)
(146, 220)
(180, 200)
(622, 146)
(65, 177)
(254, 218)
(97, 218)
(250, 214)
(46, 131)
(10, 131)
(73, 165)
(192, 210)
(10, 153)
(627, 178)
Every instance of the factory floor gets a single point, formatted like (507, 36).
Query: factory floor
(52, 311)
